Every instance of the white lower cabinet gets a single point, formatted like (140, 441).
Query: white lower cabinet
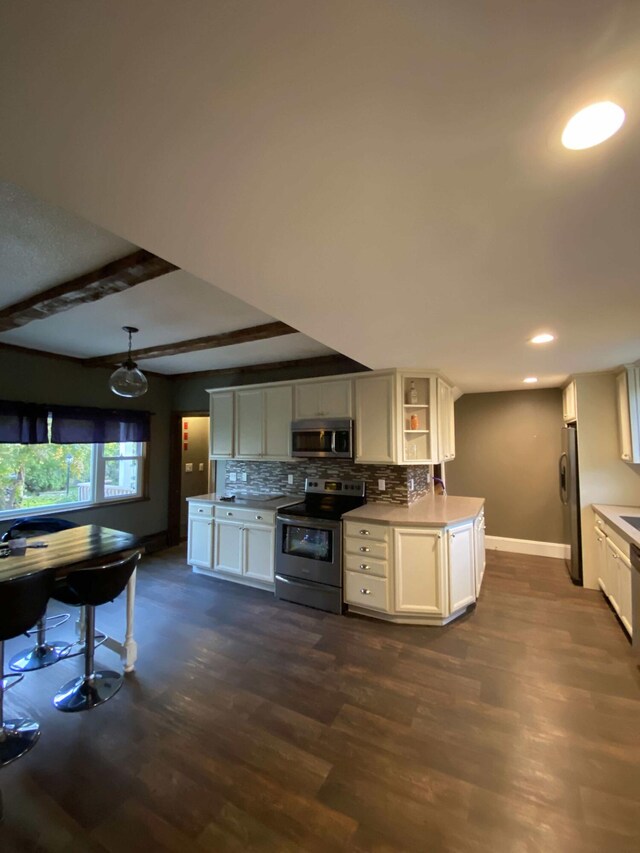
(418, 574)
(461, 560)
(614, 572)
(200, 542)
(237, 543)
(258, 552)
(419, 571)
(229, 556)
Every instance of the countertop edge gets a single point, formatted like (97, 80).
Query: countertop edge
(406, 515)
(272, 505)
(611, 514)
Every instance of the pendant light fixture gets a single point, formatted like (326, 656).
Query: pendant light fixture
(128, 380)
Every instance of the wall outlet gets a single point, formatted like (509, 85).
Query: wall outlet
(233, 477)
(201, 466)
(412, 485)
(290, 479)
(188, 467)
(243, 477)
(382, 485)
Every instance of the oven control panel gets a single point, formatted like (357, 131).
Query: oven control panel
(353, 488)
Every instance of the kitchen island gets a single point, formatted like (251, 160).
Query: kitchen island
(420, 564)
(235, 540)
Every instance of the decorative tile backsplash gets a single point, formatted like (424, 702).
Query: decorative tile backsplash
(404, 485)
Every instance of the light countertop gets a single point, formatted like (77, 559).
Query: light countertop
(612, 515)
(430, 511)
(247, 502)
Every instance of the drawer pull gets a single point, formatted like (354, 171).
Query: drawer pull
(229, 513)
(200, 510)
(364, 565)
(259, 517)
(365, 591)
(364, 549)
(364, 532)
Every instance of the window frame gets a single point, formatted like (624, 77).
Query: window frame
(97, 486)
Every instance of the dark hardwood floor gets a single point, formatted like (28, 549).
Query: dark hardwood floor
(252, 724)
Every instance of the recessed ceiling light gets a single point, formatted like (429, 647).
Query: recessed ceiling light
(592, 125)
(530, 380)
(544, 338)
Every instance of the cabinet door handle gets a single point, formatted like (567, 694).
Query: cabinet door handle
(365, 591)
(453, 535)
(364, 549)
(599, 539)
(364, 532)
(364, 565)
(615, 556)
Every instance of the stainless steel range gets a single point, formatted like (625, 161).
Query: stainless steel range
(309, 543)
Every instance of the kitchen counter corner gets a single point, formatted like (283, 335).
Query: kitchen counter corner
(430, 511)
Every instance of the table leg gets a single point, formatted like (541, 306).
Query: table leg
(129, 652)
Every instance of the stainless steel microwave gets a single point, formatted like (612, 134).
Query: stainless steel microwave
(322, 438)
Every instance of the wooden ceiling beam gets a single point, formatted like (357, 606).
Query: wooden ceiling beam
(133, 269)
(225, 339)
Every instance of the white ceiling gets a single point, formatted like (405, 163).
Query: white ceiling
(40, 246)
(385, 177)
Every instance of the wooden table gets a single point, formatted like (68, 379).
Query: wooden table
(72, 549)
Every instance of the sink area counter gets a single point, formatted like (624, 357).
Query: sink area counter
(614, 516)
(430, 511)
(266, 503)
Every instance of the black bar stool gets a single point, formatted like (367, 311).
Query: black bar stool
(44, 653)
(89, 588)
(23, 601)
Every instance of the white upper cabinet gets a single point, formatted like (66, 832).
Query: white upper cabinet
(446, 431)
(569, 403)
(249, 426)
(323, 399)
(628, 387)
(221, 425)
(375, 419)
(263, 422)
(278, 414)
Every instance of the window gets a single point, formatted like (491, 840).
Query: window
(38, 477)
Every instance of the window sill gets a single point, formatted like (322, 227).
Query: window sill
(68, 509)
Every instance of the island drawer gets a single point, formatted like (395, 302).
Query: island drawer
(379, 532)
(365, 547)
(202, 510)
(366, 565)
(233, 513)
(366, 591)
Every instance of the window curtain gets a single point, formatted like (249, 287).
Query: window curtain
(23, 423)
(83, 425)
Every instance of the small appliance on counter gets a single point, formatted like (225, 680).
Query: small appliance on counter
(309, 543)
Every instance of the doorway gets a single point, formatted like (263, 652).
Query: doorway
(190, 470)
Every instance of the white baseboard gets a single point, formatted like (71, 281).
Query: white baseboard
(528, 546)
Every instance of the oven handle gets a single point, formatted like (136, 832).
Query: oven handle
(302, 521)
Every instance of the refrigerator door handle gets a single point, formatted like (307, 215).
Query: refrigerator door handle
(562, 470)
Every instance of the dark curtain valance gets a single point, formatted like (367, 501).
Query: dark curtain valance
(23, 423)
(26, 423)
(84, 425)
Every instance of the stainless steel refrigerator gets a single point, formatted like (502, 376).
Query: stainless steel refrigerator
(570, 497)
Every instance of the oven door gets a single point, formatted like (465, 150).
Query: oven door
(309, 549)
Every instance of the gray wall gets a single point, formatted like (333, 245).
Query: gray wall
(190, 395)
(41, 379)
(193, 482)
(507, 449)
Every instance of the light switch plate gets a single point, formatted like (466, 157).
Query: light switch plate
(232, 477)
(201, 466)
(188, 467)
(382, 485)
(243, 476)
